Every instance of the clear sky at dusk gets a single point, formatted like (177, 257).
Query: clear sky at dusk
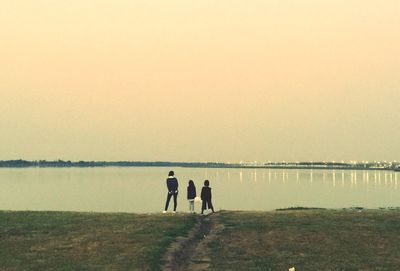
(206, 80)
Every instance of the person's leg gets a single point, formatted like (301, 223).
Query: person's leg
(203, 206)
(192, 206)
(175, 203)
(210, 206)
(168, 199)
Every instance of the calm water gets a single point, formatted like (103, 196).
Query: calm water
(144, 190)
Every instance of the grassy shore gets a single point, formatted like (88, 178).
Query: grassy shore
(87, 241)
(308, 240)
(305, 239)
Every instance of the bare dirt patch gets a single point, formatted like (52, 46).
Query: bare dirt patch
(193, 252)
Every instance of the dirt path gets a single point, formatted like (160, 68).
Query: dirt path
(192, 252)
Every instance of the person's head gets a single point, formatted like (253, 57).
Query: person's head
(171, 173)
(206, 183)
(191, 183)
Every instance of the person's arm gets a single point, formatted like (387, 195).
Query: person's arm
(175, 188)
(169, 186)
(202, 194)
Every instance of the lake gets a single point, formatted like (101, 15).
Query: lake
(143, 189)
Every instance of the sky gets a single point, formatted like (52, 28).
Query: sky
(206, 80)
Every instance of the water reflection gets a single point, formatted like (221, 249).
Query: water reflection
(334, 179)
(311, 177)
(352, 178)
(342, 178)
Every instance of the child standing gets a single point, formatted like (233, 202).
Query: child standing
(191, 194)
(206, 197)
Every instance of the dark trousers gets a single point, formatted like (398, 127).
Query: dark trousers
(169, 198)
(207, 203)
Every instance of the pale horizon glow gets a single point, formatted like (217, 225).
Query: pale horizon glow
(200, 80)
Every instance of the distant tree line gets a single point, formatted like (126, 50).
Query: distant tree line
(312, 165)
(61, 163)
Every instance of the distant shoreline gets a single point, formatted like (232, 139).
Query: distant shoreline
(272, 165)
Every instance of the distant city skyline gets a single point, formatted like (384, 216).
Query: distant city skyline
(200, 80)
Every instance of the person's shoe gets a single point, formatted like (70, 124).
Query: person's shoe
(173, 212)
(164, 212)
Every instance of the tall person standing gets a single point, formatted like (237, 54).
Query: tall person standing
(172, 185)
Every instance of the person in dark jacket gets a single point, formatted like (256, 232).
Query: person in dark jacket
(172, 185)
(191, 194)
(206, 197)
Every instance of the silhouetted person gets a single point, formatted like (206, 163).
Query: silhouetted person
(206, 197)
(191, 194)
(172, 185)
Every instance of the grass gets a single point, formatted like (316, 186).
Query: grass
(308, 240)
(313, 239)
(87, 241)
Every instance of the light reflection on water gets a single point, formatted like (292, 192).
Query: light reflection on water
(143, 189)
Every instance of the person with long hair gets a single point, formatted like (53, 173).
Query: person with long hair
(191, 194)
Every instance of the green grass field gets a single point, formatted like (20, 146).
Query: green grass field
(304, 239)
(87, 241)
(308, 240)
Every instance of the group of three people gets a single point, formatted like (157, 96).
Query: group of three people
(172, 185)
